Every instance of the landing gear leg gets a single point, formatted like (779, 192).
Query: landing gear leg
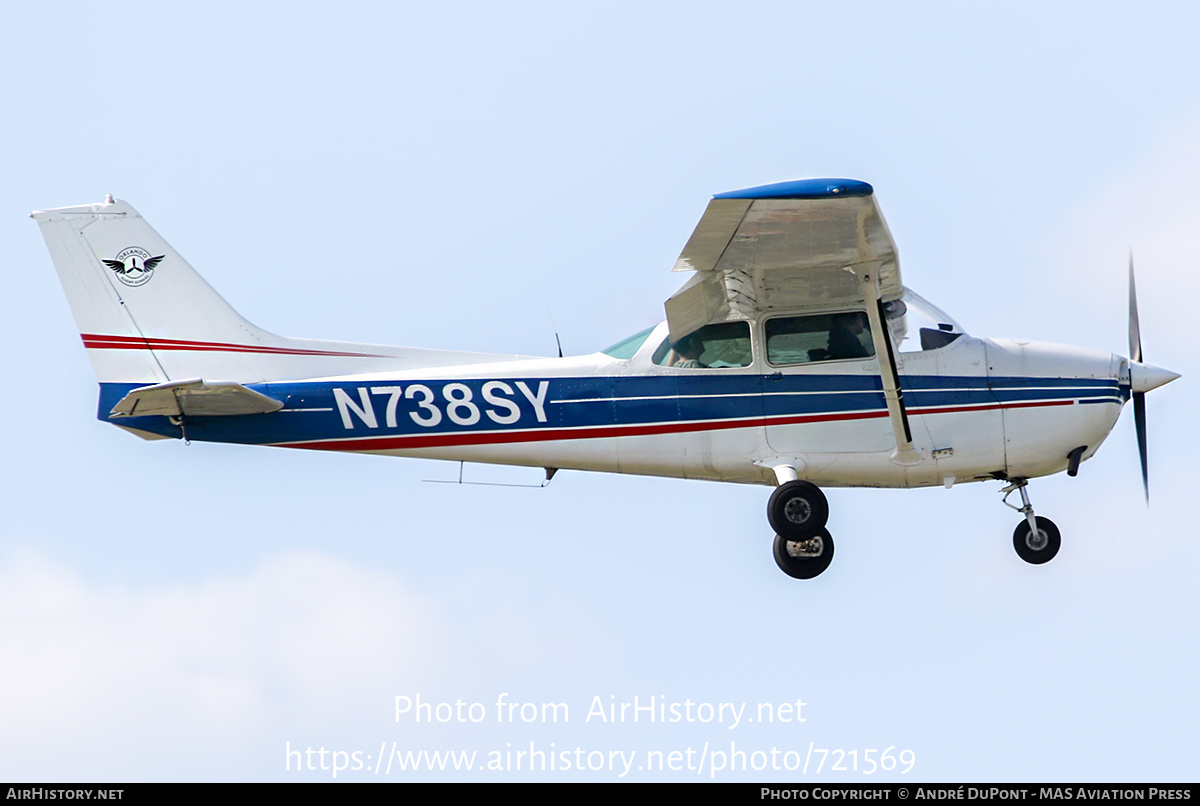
(797, 509)
(797, 512)
(1036, 539)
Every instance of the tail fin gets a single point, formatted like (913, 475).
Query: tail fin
(138, 304)
(147, 317)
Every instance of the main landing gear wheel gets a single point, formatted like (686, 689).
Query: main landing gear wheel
(1037, 547)
(806, 558)
(797, 510)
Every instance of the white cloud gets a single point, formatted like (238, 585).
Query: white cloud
(302, 638)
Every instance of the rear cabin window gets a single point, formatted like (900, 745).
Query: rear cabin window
(726, 344)
(626, 349)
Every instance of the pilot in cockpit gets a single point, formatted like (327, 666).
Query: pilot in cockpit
(844, 341)
(687, 352)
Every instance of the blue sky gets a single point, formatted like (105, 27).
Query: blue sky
(476, 177)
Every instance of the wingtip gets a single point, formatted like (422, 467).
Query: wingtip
(803, 189)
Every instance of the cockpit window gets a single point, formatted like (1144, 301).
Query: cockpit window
(726, 344)
(819, 337)
(626, 349)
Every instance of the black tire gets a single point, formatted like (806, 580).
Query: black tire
(797, 510)
(1037, 551)
(804, 567)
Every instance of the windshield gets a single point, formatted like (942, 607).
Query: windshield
(917, 324)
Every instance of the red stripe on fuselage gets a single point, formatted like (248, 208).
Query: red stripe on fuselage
(95, 342)
(599, 432)
(505, 437)
(991, 407)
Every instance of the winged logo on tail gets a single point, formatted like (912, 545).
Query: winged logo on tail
(129, 270)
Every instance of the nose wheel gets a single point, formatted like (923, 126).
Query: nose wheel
(1036, 539)
(1040, 546)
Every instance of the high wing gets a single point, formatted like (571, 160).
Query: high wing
(791, 245)
(813, 243)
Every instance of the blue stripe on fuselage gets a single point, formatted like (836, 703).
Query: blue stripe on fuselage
(312, 410)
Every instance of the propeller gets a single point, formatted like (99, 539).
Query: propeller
(1142, 378)
(1139, 398)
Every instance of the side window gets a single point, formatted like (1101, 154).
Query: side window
(726, 344)
(821, 337)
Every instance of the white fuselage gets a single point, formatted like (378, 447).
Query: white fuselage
(978, 408)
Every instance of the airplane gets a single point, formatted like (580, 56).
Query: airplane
(793, 357)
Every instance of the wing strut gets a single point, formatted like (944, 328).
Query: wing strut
(893, 395)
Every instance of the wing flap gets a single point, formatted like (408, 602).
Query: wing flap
(194, 398)
(699, 302)
(716, 229)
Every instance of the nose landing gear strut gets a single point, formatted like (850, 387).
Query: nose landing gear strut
(1036, 539)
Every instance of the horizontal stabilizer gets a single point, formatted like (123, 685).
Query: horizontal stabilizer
(194, 398)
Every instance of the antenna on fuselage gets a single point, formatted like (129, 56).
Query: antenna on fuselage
(554, 327)
(550, 471)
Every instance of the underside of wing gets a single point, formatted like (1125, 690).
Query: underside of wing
(788, 246)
